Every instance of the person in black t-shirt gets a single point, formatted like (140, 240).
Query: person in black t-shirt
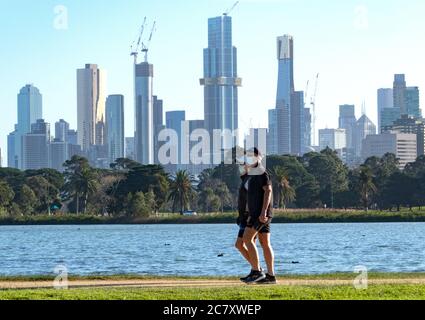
(259, 193)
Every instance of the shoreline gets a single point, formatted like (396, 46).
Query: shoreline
(282, 217)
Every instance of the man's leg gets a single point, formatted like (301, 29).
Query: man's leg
(268, 252)
(240, 245)
(249, 240)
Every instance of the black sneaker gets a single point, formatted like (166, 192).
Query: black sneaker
(255, 277)
(268, 280)
(247, 277)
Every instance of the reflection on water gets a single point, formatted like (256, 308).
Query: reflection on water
(196, 249)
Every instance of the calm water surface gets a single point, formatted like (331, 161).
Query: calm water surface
(194, 249)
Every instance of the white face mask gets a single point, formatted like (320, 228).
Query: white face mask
(251, 161)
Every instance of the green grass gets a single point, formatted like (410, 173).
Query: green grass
(279, 292)
(374, 292)
(289, 216)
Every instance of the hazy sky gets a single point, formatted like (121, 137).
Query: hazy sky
(356, 46)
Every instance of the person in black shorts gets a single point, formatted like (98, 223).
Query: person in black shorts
(259, 199)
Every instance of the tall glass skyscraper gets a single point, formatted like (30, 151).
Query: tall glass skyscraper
(347, 121)
(221, 79)
(144, 128)
(115, 126)
(91, 86)
(30, 109)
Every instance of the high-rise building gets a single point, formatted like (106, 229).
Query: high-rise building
(61, 130)
(399, 92)
(307, 130)
(410, 125)
(129, 148)
(174, 120)
(35, 146)
(58, 154)
(115, 127)
(12, 157)
(221, 79)
(30, 109)
(191, 167)
(144, 131)
(285, 89)
(158, 124)
(402, 145)
(72, 137)
(364, 127)
(347, 121)
(335, 139)
(272, 133)
(91, 86)
(385, 107)
(298, 144)
(412, 102)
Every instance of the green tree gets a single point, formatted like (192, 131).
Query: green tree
(27, 200)
(45, 192)
(329, 171)
(283, 192)
(6, 195)
(80, 181)
(367, 187)
(181, 191)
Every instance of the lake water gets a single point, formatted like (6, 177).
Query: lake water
(194, 249)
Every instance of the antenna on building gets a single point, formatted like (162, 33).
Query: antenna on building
(363, 108)
(231, 9)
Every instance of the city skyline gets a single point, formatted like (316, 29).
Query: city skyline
(189, 97)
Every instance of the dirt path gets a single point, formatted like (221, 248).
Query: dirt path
(164, 283)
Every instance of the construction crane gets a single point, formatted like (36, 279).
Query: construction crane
(231, 9)
(145, 47)
(136, 45)
(313, 107)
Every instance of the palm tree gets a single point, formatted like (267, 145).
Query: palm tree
(80, 181)
(181, 190)
(367, 187)
(284, 193)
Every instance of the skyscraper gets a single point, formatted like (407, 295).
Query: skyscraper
(12, 157)
(115, 126)
(298, 144)
(129, 148)
(285, 89)
(347, 121)
(412, 102)
(35, 146)
(91, 85)
(30, 109)
(399, 93)
(158, 124)
(272, 133)
(174, 120)
(385, 107)
(364, 127)
(335, 139)
(220, 79)
(61, 130)
(144, 131)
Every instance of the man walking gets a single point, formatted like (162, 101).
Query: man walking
(260, 216)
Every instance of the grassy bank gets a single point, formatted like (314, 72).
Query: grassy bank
(289, 216)
(375, 292)
(319, 291)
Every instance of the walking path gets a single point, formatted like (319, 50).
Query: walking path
(165, 283)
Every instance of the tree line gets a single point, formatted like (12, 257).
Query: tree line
(315, 180)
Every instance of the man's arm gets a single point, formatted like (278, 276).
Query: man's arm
(266, 203)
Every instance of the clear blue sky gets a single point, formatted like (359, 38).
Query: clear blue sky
(355, 56)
